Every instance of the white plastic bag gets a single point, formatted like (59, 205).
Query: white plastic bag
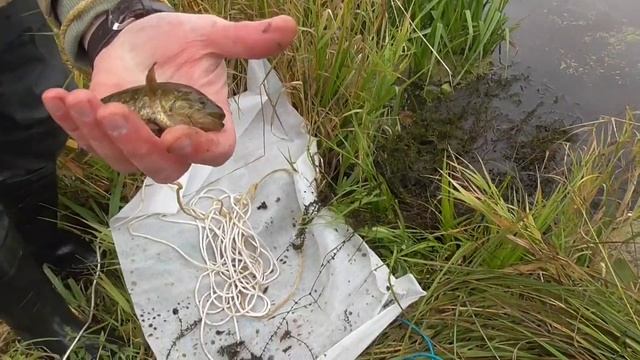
(341, 301)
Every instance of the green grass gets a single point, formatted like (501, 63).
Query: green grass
(462, 33)
(528, 275)
(515, 275)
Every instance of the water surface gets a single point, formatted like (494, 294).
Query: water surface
(586, 50)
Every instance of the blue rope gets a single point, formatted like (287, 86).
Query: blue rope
(431, 355)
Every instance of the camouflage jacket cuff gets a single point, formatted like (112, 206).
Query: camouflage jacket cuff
(73, 40)
(56, 11)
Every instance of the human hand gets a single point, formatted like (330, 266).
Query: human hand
(187, 48)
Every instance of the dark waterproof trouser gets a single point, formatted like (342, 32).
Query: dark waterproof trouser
(30, 63)
(30, 142)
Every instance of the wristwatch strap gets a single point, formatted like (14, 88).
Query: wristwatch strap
(117, 19)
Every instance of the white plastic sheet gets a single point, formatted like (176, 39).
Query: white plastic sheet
(342, 300)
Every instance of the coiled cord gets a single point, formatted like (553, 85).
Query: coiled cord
(236, 267)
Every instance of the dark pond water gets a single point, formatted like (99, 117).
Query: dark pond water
(588, 51)
(570, 62)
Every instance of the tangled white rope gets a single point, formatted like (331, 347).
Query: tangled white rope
(235, 264)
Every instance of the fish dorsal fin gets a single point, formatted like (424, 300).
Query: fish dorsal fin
(151, 81)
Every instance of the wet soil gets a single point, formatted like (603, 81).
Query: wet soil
(510, 125)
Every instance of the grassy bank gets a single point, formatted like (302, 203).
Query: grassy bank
(509, 273)
(531, 275)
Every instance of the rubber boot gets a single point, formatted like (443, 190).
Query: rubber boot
(29, 304)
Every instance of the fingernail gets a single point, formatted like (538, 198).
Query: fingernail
(181, 147)
(82, 111)
(55, 107)
(116, 125)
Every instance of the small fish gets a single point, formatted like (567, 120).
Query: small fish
(162, 105)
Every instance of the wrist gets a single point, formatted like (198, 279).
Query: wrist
(107, 26)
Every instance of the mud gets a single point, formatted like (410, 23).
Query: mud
(510, 125)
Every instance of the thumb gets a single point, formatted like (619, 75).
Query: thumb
(251, 39)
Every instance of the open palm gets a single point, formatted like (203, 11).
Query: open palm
(187, 48)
